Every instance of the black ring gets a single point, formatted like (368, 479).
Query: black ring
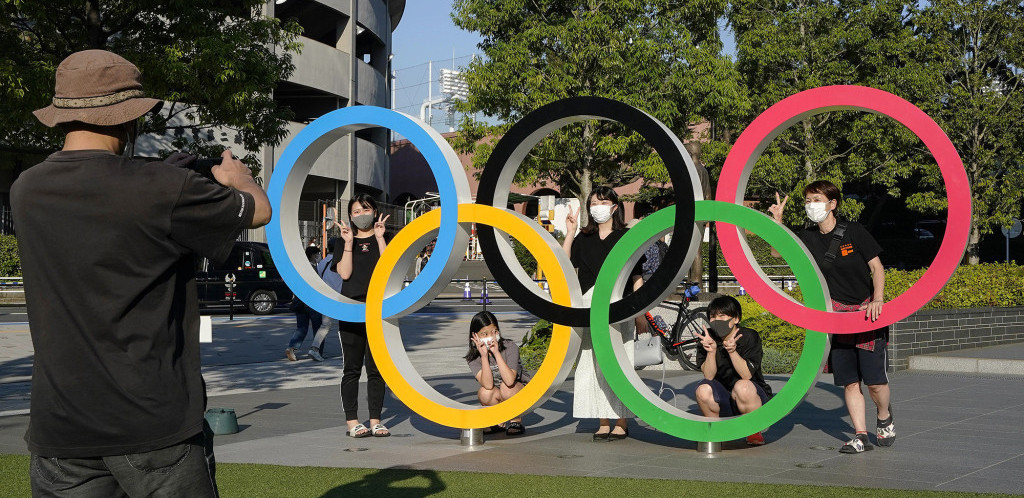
(555, 115)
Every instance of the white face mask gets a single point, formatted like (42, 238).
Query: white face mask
(601, 213)
(816, 211)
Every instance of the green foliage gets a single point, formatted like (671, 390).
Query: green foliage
(762, 252)
(525, 258)
(958, 60)
(774, 332)
(10, 261)
(535, 345)
(971, 286)
(216, 63)
(974, 89)
(779, 361)
(662, 56)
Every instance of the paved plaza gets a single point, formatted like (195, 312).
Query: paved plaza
(958, 430)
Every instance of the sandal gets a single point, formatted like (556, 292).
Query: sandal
(515, 429)
(886, 431)
(377, 431)
(495, 429)
(359, 430)
(859, 444)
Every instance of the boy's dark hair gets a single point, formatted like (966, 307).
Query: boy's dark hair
(725, 305)
(826, 188)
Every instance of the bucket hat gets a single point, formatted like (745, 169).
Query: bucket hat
(97, 87)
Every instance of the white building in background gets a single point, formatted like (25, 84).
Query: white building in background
(345, 61)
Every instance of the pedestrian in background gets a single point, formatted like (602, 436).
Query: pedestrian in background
(334, 281)
(305, 317)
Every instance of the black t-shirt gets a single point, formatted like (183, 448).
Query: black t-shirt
(749, 348)
(108, 251)
(849, 281)
(365, 253)
(589, 251)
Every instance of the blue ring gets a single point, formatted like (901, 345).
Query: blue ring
(363, 117)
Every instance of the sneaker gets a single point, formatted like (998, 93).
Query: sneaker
(290, 354)
(859, 444)
(885, 431)
(315, 355)
(755, 439)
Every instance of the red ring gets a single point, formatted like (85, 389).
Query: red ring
(752, 142)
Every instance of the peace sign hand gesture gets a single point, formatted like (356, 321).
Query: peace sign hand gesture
(346, 232)
(378, 227)
(777, 208)
(572, 221)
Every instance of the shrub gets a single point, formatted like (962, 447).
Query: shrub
(971, 286)
(779, 361)
(535, 345)
(10, 262)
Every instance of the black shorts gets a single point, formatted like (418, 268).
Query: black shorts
(726, 405)
(850, 364)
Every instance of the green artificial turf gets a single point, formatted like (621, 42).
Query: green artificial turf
(251, 480)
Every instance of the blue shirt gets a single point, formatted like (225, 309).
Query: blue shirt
(332, 278)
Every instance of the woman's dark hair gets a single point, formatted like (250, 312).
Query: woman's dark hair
(826, 188)
(364, 199)
(605, 194)
(478, 322)
(312, 251)
(725, 305)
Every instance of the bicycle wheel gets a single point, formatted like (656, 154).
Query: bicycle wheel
(689, 334)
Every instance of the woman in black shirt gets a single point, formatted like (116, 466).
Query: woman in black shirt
(592, 398)
(856, 282)
(356, 255)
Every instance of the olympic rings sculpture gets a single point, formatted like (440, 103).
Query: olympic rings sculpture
(387, 300)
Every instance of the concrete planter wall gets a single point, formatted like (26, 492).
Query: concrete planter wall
(935, 331)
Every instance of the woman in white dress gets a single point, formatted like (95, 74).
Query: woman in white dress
(592, 397)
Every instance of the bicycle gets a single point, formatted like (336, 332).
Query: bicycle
(682, 341)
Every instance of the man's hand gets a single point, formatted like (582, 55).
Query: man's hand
(709, 344)
(232, 173)
(730, 343)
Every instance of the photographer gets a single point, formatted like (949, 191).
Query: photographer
(117, 396)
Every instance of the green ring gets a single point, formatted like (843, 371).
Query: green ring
(638, 397)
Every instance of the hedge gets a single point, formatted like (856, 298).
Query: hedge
(971, 286)
(10, 262)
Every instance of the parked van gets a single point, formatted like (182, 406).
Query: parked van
(258, 286)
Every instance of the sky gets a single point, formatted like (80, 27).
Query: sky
(426, 33)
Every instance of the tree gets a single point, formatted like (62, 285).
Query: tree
(785, 47)
(215, 62)
(661, 56)
(974, 51)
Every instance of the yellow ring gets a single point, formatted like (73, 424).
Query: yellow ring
(447, 411)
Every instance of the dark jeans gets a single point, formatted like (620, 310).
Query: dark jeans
(356, 353)
(184, 469)
(304, 319)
